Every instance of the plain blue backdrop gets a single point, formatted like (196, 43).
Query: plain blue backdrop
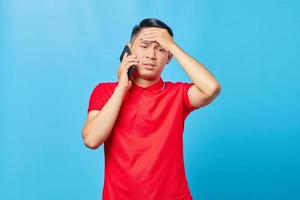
(243, 146)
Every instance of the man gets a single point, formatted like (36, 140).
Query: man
(141, 121)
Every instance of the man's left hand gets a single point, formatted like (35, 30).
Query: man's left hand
(159, 35)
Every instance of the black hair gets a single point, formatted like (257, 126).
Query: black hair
(149, 22)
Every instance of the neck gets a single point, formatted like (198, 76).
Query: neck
(145, 82)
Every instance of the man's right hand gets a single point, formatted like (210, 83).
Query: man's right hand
(123, 69)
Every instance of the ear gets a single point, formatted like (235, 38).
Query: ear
(170, 55)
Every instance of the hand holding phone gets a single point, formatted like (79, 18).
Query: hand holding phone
(133, 67)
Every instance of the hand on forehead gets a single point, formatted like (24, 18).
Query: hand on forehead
(158, 36)
(147, 42)
(147, 31)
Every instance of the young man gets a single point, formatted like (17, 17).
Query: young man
(141, 121)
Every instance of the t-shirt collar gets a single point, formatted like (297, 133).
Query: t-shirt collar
(155, 87)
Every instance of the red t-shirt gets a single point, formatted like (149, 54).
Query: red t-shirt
(144, 152)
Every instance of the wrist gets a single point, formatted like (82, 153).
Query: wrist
(172, 47)
(121, 89)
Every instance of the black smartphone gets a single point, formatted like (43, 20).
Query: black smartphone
(131, 68)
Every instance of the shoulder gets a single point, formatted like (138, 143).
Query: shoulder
(105, 87)
(179, 85)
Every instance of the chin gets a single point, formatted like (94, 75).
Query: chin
(148, 76)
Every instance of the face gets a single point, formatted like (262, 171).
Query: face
(152, 57)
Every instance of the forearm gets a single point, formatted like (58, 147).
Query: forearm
(199, 75)
(100, 126)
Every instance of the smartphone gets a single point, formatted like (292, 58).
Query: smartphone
(132, 68)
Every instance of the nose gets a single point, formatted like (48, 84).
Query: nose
(151, 54)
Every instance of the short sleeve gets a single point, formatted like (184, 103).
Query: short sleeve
(97, 98)
(186, 102)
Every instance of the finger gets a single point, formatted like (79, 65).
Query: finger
(132, 56)
(125, 55)
(150, 35)
(126, 60)
(129, 63)
(149, 29)
(129, 59)
(150, 38)
(133, 62)
(149, 32)
(125, 70)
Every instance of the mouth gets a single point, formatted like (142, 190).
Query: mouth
(149, 66)
(152, 64)
(149, 63)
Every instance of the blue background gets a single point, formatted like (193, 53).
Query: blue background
(245, 145)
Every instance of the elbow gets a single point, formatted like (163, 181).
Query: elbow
(215, 91)
(89, 142)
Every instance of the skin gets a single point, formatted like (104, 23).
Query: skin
(145, 52)
(160, 49)
(157, 46)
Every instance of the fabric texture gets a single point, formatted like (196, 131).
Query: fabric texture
(144, 152)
